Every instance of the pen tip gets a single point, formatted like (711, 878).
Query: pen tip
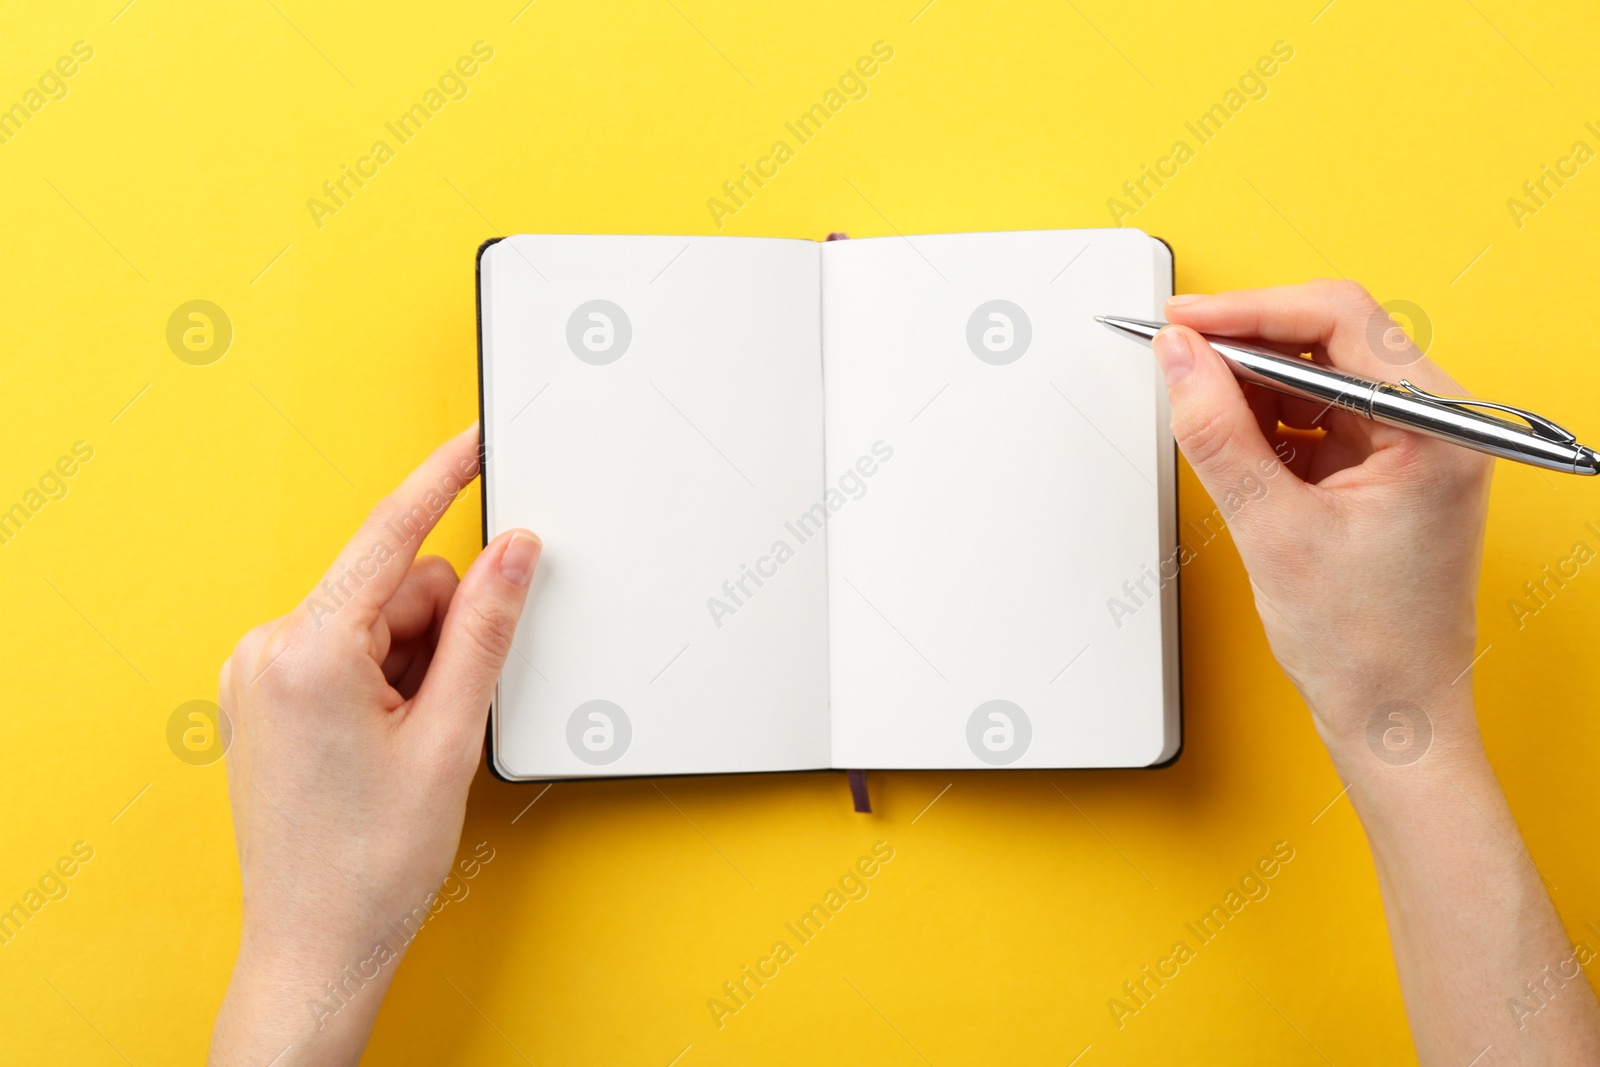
(1101, 319)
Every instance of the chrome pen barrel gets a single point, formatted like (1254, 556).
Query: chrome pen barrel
(1400, 407)
(1296, 377)
(1464, 421)
(1484, 433)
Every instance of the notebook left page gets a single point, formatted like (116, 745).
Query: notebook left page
(653, 410)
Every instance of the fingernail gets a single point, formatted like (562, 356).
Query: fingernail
(1173, 355)
(517, 561)
(1186, 298)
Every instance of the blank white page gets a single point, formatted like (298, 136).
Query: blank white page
(658, 443)
(1031, 476)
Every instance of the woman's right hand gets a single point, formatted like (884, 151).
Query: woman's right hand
(1364, 553)
(1364, 556)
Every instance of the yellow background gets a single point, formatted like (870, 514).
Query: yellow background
(178, 167)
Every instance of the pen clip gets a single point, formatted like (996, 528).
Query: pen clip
(1541, 427)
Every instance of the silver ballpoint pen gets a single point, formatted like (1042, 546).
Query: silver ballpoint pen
(1460, 420)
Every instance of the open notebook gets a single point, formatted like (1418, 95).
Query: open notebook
(882, 503)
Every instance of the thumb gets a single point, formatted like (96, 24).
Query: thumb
(1212, 421)
(476, 638)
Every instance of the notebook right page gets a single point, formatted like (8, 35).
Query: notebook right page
(997, 594)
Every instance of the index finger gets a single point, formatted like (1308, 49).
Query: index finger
(377, 559)
(1339, 316)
